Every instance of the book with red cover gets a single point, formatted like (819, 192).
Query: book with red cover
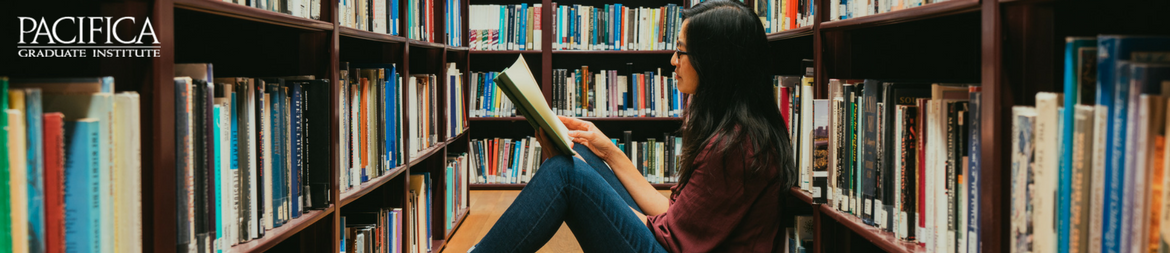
(54, 182)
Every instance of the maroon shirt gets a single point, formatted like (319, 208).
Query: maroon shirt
(719, 210)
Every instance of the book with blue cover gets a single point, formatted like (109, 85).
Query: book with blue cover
(868, 150)
(36, 168)
(974, 169)
(82, 185)
(1114, 55)
(296, 122)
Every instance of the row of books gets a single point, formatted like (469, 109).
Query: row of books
(379, 16)
(247, 160)
(504, 160)
(372, 131)
(783, 15)
(373, 231)
(379, 104)
(310, 9)
(605, 93)
(847, 9)
(895, 154)
(616, 27)
(505, 27)
(508, 161)
(457, 169)
(487, 100)
(1088, 164)
(71, 166)
(656, 159)
(383, 230)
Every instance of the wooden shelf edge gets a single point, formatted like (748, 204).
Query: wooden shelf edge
(613, 52)
(368, 186)
(277, 235)
(368, 35)
(905, 15)
(634, 119)
(882, 239)
(425, 44)
(460, 216)
(802, 195)
(505, 51)
(442, 243)
(791, 34)
(521, 186)
(460, 49)
(248, 13)
(428, 152)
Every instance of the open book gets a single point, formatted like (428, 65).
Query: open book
(521, 87)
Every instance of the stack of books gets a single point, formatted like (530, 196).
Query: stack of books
(847, 9)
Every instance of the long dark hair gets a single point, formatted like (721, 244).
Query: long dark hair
(733, 103)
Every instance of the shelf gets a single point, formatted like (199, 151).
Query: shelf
(926, 11)
(613, 51)
(277, 235)
(802, 195)
(368, 35)
(505, 51)
(424, 44)
(631, 119)
(521, 186)
(428, 152)
(461, 49)
(248, 13)
(791, 34)
(440, 244)
(368, 186)
(882, 239)
(460, 216)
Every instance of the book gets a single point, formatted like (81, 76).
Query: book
(127, 181)
(1046, 170)
(54, 182)
(1022, 178)
(523, 90)
(974, 170)
(1080, 60)
(82, 188)
(18, 172)
(1081, 163)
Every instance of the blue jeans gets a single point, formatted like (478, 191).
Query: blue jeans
(586, 195)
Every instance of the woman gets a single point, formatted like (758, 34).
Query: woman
(735, 160)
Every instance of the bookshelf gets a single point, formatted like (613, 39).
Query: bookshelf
(246, 41)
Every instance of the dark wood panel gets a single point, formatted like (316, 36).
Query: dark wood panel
(277, 235)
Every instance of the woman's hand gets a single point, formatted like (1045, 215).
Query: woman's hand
(585, 133)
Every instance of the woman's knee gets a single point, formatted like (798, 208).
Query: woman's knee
(564, 165)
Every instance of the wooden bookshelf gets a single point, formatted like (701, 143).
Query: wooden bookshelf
(1012, 48)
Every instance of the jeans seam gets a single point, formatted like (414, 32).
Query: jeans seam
(542, 215)
(611, 221)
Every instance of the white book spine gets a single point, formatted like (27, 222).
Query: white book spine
(1047, 139)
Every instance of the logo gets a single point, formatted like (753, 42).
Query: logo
(81, 37)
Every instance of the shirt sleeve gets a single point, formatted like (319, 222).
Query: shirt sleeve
(708, 209)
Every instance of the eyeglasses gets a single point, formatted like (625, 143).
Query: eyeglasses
(680, 52)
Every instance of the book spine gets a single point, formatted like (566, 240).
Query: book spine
(54, 182)
(82, 225)
(974, 168)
